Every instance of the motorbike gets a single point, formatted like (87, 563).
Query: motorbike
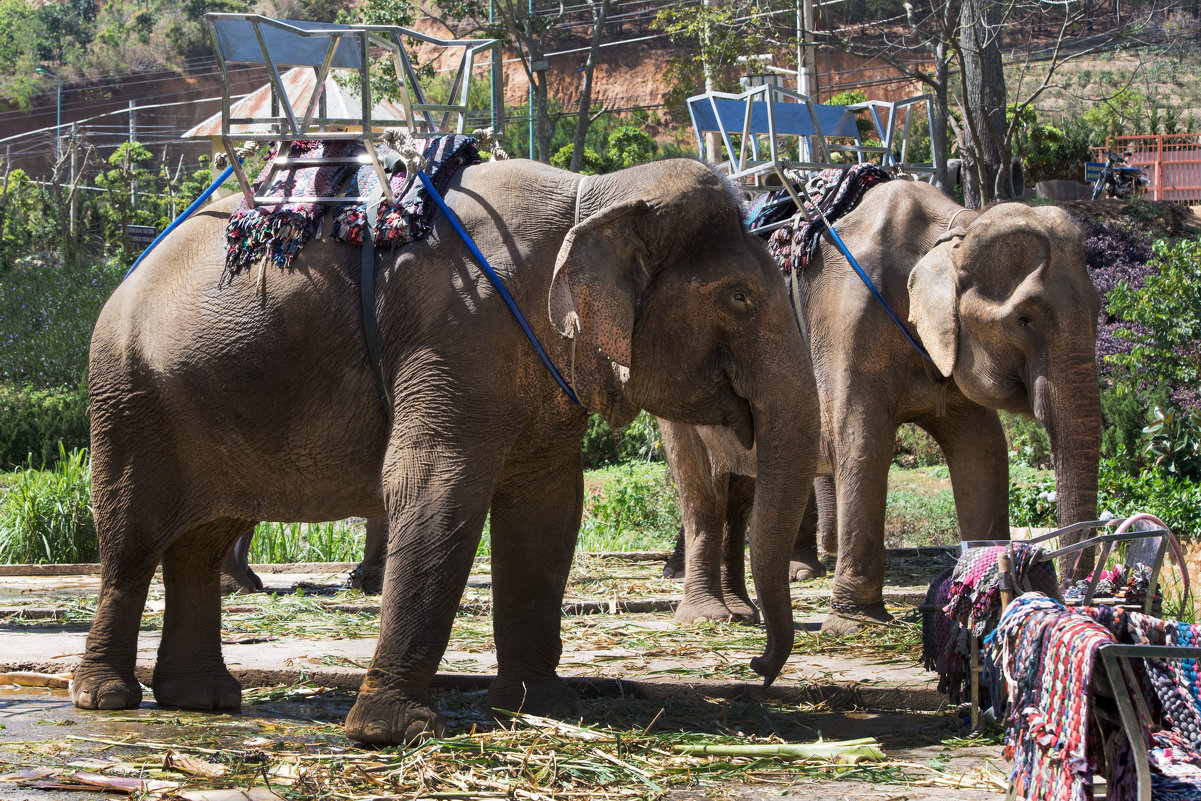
(1119, 179)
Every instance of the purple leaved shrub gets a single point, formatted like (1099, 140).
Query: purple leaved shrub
(1115, 252)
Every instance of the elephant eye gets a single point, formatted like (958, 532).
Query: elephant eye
(739, 296)
(1024, 322)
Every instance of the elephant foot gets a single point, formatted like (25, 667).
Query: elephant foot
(367, 582)
(242, 581)
(674, 566)
(741, 609)
(550, 697)
(803, 567)
(851, 618)
(378, 720)
(196, 691)
(95, 686)
(691, 612)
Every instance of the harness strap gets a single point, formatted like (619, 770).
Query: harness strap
(367, 282)
(486, 268)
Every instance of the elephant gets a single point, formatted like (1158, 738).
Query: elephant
(368, 576)
(217, 402)
(1002, 302)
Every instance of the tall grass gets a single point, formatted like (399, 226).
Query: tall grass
(282, 543)
(46, 515)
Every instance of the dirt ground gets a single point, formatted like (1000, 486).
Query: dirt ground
(646, 685)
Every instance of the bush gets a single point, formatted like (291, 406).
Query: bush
(635, 508)
(50, 308)
(639, 441)
(1172, 498)
(915, 448)
(1032, 501)
(36, 425)
(592, 164)
(1161, 319)
(1027, 439)
(46, 515)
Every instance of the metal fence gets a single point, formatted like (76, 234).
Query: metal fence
(1171, 162)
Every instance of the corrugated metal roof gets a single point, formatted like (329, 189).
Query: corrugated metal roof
(299, 83)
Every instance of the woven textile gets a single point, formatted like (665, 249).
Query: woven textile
(411, 216)
(794, 245)
(1048, 653)
(969, 597)
(276, 233)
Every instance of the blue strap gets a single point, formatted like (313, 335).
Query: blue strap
(496, 282)
(875, 292)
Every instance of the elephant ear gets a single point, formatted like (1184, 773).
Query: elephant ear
(599, 275)
(933, 303)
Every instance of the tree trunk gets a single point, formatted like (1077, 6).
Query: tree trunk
(600, 12)
(984, 96)
(938, 134)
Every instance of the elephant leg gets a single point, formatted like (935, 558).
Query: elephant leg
(804, 563)
(535, 521)
(861, 481)
(104, 678)
(974, 444)
(827, 513)
(705, 529)
(368, 576)
(437, 494)
(236, 575)
(733, 562)
(190, 672)
(674, 567)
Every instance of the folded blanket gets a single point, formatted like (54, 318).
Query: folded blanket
(277, 232)
(411, 217)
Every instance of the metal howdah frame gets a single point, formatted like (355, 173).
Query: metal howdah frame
(252, 39)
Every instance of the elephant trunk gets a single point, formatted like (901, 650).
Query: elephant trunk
(1069, 405)
(786, 436)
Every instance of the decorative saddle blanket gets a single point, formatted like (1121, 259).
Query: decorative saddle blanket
(276, 233)
(793, 245)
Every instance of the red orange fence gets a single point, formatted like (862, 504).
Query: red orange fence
(1171, 162)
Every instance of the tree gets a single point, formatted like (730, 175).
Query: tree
(948, 44)
(600, 13)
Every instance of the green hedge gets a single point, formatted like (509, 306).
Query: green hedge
(34, 423)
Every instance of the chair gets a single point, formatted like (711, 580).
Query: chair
(802, 137)
(252, 39)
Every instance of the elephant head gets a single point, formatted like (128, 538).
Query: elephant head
(1006, 308)
(691, 321)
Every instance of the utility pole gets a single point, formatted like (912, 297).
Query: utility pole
(806, 58)
(133, 137)
(74, 178)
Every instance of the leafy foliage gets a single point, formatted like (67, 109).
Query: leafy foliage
(1175, 442)
(37, 424)
(640, 441)
(1162, 321)
(637, 503)
(46, 515)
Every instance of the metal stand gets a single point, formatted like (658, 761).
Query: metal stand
(251, 39)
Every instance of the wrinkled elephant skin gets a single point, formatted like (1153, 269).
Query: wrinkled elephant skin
(217, 403)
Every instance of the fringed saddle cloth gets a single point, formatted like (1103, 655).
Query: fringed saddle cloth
(276, 233)
(793, 245)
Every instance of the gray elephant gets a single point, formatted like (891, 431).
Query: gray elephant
(218, 404)
(368, 575)
(1003, 303)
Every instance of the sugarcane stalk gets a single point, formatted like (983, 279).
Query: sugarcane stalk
(848, 751)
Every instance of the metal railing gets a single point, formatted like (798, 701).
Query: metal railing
(1171, 162)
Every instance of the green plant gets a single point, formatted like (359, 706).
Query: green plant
(593, 164)
(915, 448)
(46, 515)
(1171, 498)
(36, 424)
(282, 543)
(1032, 502)
(603, 445)
(635, 507)
(918, 515)
(1175, 442)
(628, 146)
(1028, 440)
(1162, 321)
